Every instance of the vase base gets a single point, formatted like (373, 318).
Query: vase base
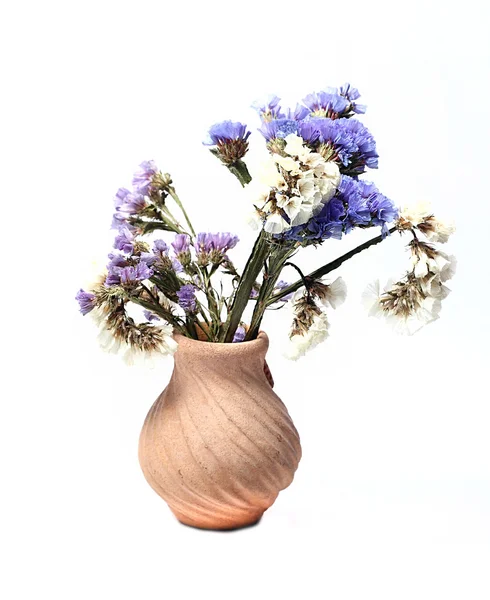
(223, 529)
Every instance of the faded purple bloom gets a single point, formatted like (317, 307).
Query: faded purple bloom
(147, 257)
(133, 203)
(117, 260)
(218, 243)
(254, 293)
(268, 109)
(140, 272)
(187, 298)
(149, 316)
(144, 175)
(160, 248)
(86, 301)
(226, 131)
(280, 285)
(239, 335)
(120, 197)
(181, 243)
(177, 265)
(124, 240)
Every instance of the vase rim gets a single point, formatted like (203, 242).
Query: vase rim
(190, 343)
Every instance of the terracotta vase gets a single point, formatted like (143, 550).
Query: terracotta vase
(218, 445)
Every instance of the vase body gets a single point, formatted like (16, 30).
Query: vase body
(218, 445)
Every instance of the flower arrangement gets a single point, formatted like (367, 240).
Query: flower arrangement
(310, 190)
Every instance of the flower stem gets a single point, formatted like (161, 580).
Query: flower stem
(251, 271)
(335, 264)
(173, 193)
(277, 261)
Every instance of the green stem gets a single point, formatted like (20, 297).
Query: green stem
(240, 171)
(276, 263)
(177, 200)
(335, 264)
(251, 271)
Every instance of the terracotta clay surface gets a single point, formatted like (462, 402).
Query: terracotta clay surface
(219, 445)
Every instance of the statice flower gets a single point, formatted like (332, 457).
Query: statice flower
(132, 274)
(352, 93)
(297, 114)
(129, 203)
(348, 142)
(326, 104)
(212, 247)
(281, 285)
(149, 316)
(239, 335)
(420, 217)
(142, 179)
(187, 298)
(229, 139)
(160, 248)
(86, 301)
(278, 129)
(268, 109)
(181, 246)
(124, 240)
(317, 333)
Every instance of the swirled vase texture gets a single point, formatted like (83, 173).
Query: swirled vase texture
(219, 445)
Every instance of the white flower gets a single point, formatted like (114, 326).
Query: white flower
(300, 344)
(449, 268)
(335, 294)
(439, 231)
(295, 147)
(416, 213)
(269, 175)
(289, 204)
(288, 164)
(274, 223)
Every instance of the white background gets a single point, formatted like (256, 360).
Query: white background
(392, 497)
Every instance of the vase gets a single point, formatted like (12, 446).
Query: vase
(218, 445)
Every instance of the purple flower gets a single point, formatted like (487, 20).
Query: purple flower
(143, 177)
(219, 242)
(352, 93)
(326, 104)
(181, 243)
(177, 265)
(239, 335)
(226, 131)
(298, 114)
(187, 298)
(133, 203)
(268, 109)
(280, 285)
(160, 248)
(147, 257)
(149, 316)
(278, 128)
(86, 301)
(124, 240)
(131, 275)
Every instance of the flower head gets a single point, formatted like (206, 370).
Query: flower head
(239, 334)
(230, 141)
(133, 274)
(86, 301)
(213, 246)
(143, 177)
(187, 298)
(124, 240)
(268, 109)
(326, 104)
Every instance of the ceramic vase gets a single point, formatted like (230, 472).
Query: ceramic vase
(218, 445)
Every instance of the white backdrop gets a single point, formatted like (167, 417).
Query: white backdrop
(392, 497)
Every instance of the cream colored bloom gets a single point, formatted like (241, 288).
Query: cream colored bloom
(300, 344)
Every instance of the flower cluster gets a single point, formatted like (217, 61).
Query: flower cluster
(415, 300)
(311, 189)
(310, 323)
(299, 184)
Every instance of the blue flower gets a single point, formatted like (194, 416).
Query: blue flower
(352, 93)
(143, 177)
(181, 243)
(86, 300)
(149, 316)
(226, 131)
(124, 240)
(239, 335)
(297, 114)
(187, 298)
(326, 104)
(268, 109)
(140, 272)
(278, 128)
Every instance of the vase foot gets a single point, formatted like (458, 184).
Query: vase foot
(222, 529)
